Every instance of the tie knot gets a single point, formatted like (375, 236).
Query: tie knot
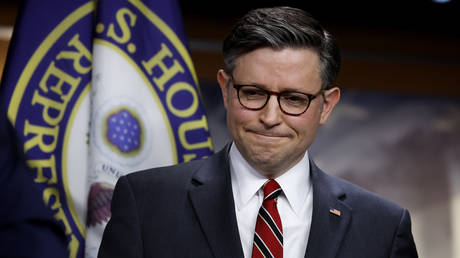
(271, 189)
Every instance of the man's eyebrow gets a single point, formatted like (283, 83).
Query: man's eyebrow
(288, 89)
(260, 85)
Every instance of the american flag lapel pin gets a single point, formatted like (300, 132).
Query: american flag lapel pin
(335, 212)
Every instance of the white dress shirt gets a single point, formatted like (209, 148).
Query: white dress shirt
(295, 204)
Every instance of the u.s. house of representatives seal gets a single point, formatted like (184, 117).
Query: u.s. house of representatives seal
(145, 101)
(93, 109)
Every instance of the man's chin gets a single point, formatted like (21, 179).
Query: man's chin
(267, 164)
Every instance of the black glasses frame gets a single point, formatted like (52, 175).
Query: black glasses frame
(269, 93)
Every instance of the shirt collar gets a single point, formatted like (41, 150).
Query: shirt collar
(295, 182)
(246, 179)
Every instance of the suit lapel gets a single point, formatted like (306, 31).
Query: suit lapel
(212, 199)
(328, 227)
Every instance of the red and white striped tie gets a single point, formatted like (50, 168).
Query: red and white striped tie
(268, 236)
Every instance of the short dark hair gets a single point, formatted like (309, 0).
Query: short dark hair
(278, 28)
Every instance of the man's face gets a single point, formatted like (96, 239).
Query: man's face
(270, 140)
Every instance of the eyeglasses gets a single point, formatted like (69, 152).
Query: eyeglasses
(290, 102)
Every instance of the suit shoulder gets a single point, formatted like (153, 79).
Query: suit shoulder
(177, 174)
(359, 197)
(167, 177)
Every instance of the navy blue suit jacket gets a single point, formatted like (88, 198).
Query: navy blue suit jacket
(188, 211)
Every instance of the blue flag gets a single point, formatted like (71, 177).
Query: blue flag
(145, 100)
(96, 90)
(27, 226)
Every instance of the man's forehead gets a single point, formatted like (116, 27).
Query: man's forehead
(283, 55)
(288, 67)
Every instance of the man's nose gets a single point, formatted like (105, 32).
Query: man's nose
(270, 115)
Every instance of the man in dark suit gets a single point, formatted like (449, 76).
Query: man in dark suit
(262, 195)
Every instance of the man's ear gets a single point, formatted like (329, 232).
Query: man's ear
(223, 79)
(331, 98)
